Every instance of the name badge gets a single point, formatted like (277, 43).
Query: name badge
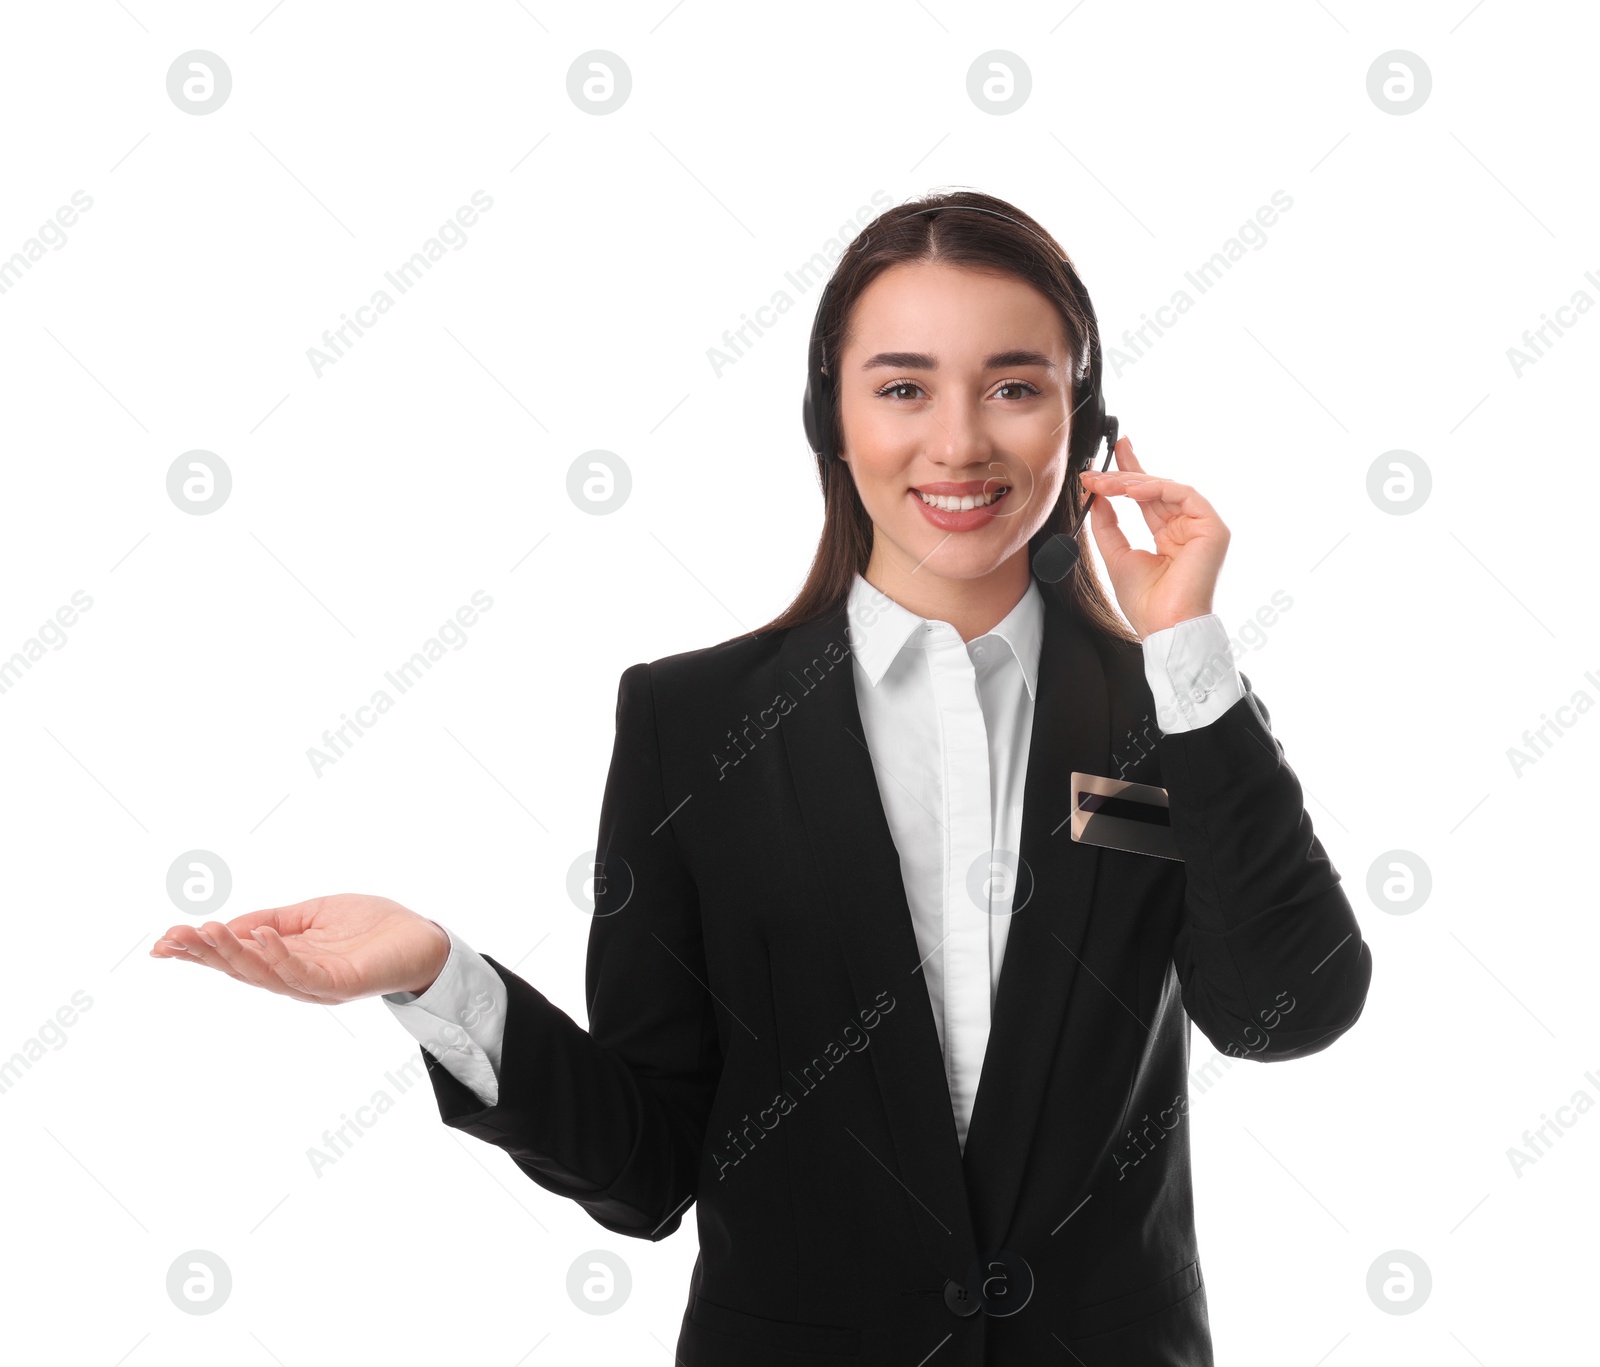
(1118, 815)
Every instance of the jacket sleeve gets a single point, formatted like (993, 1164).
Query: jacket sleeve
(1269, 955)
(613, 1118)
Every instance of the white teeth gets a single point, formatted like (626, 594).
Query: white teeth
(950, 503)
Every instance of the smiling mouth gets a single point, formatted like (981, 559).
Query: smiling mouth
(959, 503)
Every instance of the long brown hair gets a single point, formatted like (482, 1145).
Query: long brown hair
(982, 241)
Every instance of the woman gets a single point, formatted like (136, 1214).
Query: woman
(824, 839)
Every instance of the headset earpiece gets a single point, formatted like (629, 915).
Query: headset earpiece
(1108, 425)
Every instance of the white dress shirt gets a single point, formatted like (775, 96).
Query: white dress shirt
(948, 725)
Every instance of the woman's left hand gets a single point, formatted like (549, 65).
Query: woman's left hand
(1177, 581)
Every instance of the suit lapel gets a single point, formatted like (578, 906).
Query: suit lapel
(837, 791)
(1071, 731)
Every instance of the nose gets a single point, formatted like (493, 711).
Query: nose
(957, 435)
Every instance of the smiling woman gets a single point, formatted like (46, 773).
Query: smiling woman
(1004, 1175)
(958, 348)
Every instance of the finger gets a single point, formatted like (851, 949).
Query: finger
(247, 961)
(183, 940)
(241, 926)
(1113, 482)
(288, 919)
(296, 972)
(1123, 451)
(189, 943)
(252, 960)
(1155, 498)
(1153, 488)
(1178, 512)
(1132, 479)
(1169, 507)
(1108, 534)
(185, 958)
(257, 959)
(1167, 488)
(192, 956)
(177, 938)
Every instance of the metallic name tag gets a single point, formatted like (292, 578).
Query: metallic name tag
(1122, 816)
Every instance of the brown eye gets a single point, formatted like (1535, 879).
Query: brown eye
(894, 385)
(1019, 384)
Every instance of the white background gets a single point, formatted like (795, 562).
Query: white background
(369, 502)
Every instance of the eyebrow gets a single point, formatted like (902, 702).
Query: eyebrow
(920, 360)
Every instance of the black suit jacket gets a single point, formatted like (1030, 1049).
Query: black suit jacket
(761, 1042)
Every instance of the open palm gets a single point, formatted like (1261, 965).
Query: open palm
(328, 949)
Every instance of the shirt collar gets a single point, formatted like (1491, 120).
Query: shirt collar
(880, 629)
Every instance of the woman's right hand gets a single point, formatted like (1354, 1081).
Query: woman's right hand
(330, 949)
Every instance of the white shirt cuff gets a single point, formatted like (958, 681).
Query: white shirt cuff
(460, 1019)
(1191, 673)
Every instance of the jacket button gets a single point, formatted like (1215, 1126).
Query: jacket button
(959, 1302)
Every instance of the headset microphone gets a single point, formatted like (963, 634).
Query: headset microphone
(1056, 558)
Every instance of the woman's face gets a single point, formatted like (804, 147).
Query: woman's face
(954, 382)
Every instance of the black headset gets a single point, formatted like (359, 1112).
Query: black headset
(1055, 559)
